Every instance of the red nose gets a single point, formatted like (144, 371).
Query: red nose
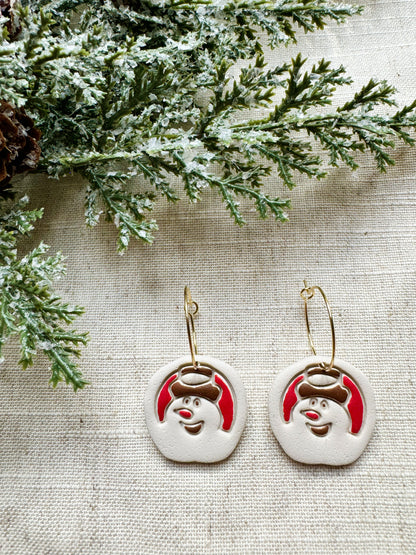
(185, 413)
(312, 415)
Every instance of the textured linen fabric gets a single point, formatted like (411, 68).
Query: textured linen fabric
(80, 474)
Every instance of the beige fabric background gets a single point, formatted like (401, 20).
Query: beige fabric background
(79, 473)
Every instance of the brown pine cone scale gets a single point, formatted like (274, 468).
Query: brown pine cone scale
(19, 148)
(8, 9)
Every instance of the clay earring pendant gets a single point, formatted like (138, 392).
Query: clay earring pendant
(322, 410)
(195, 406)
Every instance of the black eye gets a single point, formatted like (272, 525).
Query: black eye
(197, 402)
(313, 402)
(324, 404)
(186, 400)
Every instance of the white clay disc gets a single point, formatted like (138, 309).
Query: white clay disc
(322, 417)
(196, 415)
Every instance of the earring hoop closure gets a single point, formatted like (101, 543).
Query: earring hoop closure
(191, 308)
(307, 293)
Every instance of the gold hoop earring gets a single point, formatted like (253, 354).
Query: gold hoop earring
(322, 409)
(195, 406)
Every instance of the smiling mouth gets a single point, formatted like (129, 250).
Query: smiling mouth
(319, 431)
(193, 428)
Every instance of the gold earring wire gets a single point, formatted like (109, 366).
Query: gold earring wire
(191, 308)
(307, 293)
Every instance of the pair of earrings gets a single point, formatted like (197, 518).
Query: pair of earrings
(322, 409)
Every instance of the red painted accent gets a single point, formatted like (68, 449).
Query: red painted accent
(164, 398)
(312, 415)
(185, 413)
(355, 406)
(290, 398)
(226, 404)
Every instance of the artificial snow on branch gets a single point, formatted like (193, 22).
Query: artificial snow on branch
(28, 307)
(129, 94)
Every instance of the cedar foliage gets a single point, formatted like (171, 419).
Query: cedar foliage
(130, 94)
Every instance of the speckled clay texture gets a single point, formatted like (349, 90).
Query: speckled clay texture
(196, 415)
(322, 416)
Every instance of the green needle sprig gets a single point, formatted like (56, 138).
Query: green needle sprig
(142, 99)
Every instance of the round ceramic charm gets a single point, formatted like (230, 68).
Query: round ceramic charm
(196, 414)
(322, 416)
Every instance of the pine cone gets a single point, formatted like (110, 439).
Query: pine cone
(13, 26)
(125, 3)
(19, 148)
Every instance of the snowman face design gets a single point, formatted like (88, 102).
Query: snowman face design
(322, 416)
(193, 415)
(196, 414)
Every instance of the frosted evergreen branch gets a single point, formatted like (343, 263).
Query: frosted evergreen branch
(353, 127)
(108, 95)
(142, 98)
(245, 183)
(126, 210)
(28, 307)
